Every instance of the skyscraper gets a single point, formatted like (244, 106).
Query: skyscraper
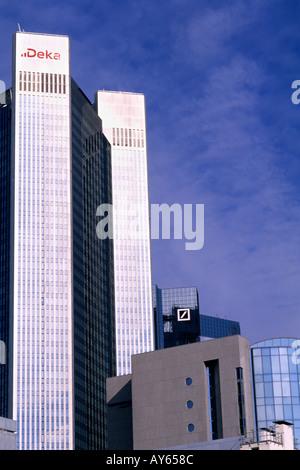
(93, 279)
(43, 379)
(61, 275)
(124, 124)
(176, 312)
(217, 327)
(5, 231)
(178, 319)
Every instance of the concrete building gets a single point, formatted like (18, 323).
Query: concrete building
(182, 396)
(8, 434)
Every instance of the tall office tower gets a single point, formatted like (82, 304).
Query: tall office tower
(217, 327)
(43, 381)
(5, 207)
(61, 294)
(123, 116)
(176, 312)
(178, 319)
(93, 289)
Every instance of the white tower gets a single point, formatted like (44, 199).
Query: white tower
(124, 124)
(42, 244)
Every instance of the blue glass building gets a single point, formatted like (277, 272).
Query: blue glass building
(176, 311)
(276, 381)
(216, 327)
(174, 330)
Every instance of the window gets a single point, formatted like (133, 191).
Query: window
(241, 400)
(214, 399)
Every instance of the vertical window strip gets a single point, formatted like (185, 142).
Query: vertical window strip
(142, 138)
(214, 399)
(130, 141)
(37, 82)
(241, 400)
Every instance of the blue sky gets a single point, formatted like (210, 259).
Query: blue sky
(222, 131)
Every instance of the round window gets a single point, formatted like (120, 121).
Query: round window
(190, 404)
(188, 381)
(191, 427)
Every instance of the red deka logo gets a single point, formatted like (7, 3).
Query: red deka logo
(41, 55)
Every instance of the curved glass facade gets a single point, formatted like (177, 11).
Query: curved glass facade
(276, 382)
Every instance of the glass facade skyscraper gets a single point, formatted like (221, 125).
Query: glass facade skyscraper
(43, 381)
(176, 311)
(216, 327)
(5, 239)
(124, 124)
(178, 319)
(276, 381)
(93, 279)
(61, 302)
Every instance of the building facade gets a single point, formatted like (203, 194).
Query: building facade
(93, 278)
(61, 303)
(5, 240)
(176, 311)
(184, 395)
(8, 434)
(276, 381)
(217, 327)
(278, 437)
(178, 319)
(124, 124)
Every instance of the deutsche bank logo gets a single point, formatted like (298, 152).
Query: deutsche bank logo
(183, 314)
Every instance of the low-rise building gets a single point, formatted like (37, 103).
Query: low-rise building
(181, 396)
